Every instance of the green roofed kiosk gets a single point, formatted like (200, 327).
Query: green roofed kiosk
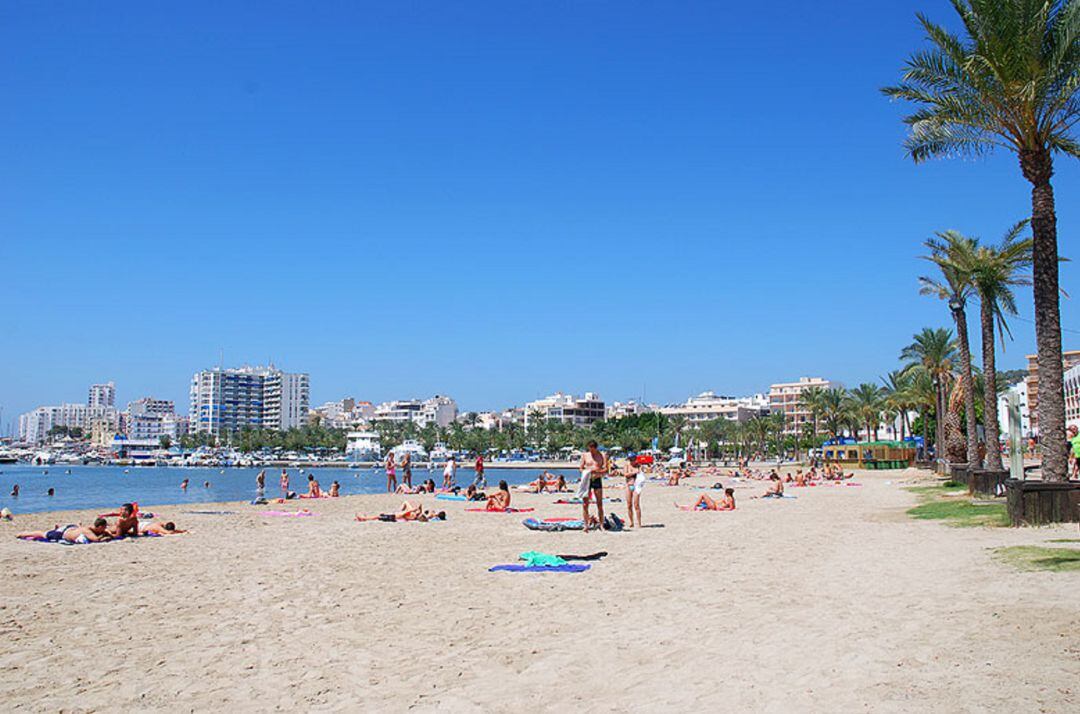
(872, 454)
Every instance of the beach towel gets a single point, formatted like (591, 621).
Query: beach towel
(91, 542)
(209, 513)
(286, 514)
(691, 508)
(450, 497)
(565, 568)
(578, 501)
(536, 558)
(583, 484)
(507, 510)
(590, 556)
(553, 527)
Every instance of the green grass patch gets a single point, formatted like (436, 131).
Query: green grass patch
(952, 484)
(1035, 557)
(1064, 540)
(939, 503)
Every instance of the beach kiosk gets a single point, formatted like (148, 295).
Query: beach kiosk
(872, 454)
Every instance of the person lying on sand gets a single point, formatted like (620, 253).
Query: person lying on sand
(425, 487)
(471, 494)
(163, 529)
(72, 533)
(409, 511)
(500, 500)
(706, 502)
(127, 524)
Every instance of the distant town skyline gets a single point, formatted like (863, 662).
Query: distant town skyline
(485, 200)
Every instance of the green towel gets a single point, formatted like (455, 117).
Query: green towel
(533, 558)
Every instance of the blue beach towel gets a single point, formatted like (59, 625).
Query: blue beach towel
(450, 497)
(568, 568)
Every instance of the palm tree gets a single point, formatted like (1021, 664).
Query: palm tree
(835, 408)
(934, 351)
(922, 395)
(896, 387)
(811, 399)
(866, 400)
(1009, 81)
(993, 273)
(952, 253)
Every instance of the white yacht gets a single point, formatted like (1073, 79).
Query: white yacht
(362, 446)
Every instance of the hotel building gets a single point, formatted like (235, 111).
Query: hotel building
(102, 395)
(786, 398)
(227, 400)
(707, 406)
(567, 408)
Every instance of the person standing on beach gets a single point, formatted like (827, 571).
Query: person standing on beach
(449, 474)
(635, 482)
(260, 486)
(406, 469)
(480, 481)
(593, 466)
(284, 483)
(391, 476)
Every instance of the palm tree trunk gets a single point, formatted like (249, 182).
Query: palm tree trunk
(990, 411)
(972, 437)
(939, 421)
(925, 433)
(1038, 167)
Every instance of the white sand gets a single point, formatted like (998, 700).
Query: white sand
(834, 601)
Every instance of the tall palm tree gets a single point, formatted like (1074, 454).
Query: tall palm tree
(934, 351)
(994, 271)
(867, 400)
(1010, 80)
(952, 253)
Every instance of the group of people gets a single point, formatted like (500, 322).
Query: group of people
(392, 464)
(126, 526)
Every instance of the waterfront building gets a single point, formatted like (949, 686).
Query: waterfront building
(708, 406)
(342, 414)
(34, 426)
(439, 410)
(149, 405)
(1072, 396)
(102, 395)
(227, 400)
(786, 398)
(579, 411)
(1069, 359)
(362, 446)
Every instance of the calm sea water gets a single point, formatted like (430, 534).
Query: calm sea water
(79, 487)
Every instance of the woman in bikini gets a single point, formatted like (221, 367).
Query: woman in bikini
(391, 476)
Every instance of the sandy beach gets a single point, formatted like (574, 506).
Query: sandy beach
(836, 600)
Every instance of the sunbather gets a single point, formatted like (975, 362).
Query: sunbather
(163, 529)
(500, 500)
(72, 533)
(409, 511)
(707, 503)
(776, 489)
(127, 524)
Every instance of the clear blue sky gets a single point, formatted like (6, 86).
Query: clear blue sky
(489, 200)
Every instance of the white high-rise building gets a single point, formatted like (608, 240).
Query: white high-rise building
(227, 400)
(102, 395)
